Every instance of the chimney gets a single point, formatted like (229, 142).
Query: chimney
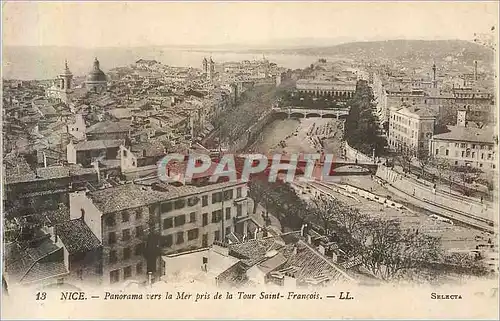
(302, 230)
(255, 233)
(96, 167)
(295, 249)
(475, 70)
(44, 160)
(309, 239)
(321, 249)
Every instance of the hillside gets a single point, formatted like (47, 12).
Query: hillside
(401, 49)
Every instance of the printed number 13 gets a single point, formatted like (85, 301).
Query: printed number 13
(41, 295)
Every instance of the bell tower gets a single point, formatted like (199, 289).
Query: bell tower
(65, 78)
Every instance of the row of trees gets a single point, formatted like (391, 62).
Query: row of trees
(385, 248)
(362, 130)
(254, 102)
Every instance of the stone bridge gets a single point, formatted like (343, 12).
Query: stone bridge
(292, 112)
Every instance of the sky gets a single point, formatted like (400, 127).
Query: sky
(103, 24)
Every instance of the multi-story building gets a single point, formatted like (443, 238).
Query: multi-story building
(466, 145)
(338, 89)
(393, 98)
(172, 218)
(411, 127)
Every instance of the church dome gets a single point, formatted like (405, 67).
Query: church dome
(96, 74)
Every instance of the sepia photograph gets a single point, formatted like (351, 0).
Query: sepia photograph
(249, 159)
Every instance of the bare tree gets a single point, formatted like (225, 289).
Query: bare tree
(442, 165)
(389, 250)
(405, 156)
(323, 211)
(424, 159)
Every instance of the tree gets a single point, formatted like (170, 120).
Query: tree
(388, 250)
(405, 156)
(424, 159)
(442, 165)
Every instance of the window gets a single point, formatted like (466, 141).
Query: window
(168, 223)
(228, 213)
(216, 216)
(138, 268)
(124, 153)
(228, 195)
(192, 234)
(127, 272)
(447, 152)
(204, 200)
(204, 240)
(126, 234)
(192, 201)
(180, 220)
(457, 144)
(167, 240)
(166, 207)
(110, 220)
(456, 162)
(239, 210)
(473, 146)
(192, 217)
(114, 276)
(473, 154)
(138, 249)
(152, 209)
(179, 238)
(463, 153)
(113, 257)
(139, 231)
(205, 219)
(481, 165)
(238, 192)
(490, 147)
(181, 203)
(216, 197)
(217, 235)
(228, 230)
(111, 238)
(437, 151)
(125, 217)
(138, 214)
(126, 253)
(462, 145)
(489, 156)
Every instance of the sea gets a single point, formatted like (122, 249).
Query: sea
(40, 63)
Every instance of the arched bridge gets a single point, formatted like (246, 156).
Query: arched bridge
(291, 112)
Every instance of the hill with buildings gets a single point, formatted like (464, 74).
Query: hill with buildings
(401, 49)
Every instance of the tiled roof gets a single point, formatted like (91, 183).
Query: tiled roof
(41, 271)
(467, 134)
(254, 251)
(98, 144)
(53, 172)
(150, 149)
(234, 276)
(20, 260)
(109, 127)
(418, 110)
(310, 264)
(77, 236)
(130, 196)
